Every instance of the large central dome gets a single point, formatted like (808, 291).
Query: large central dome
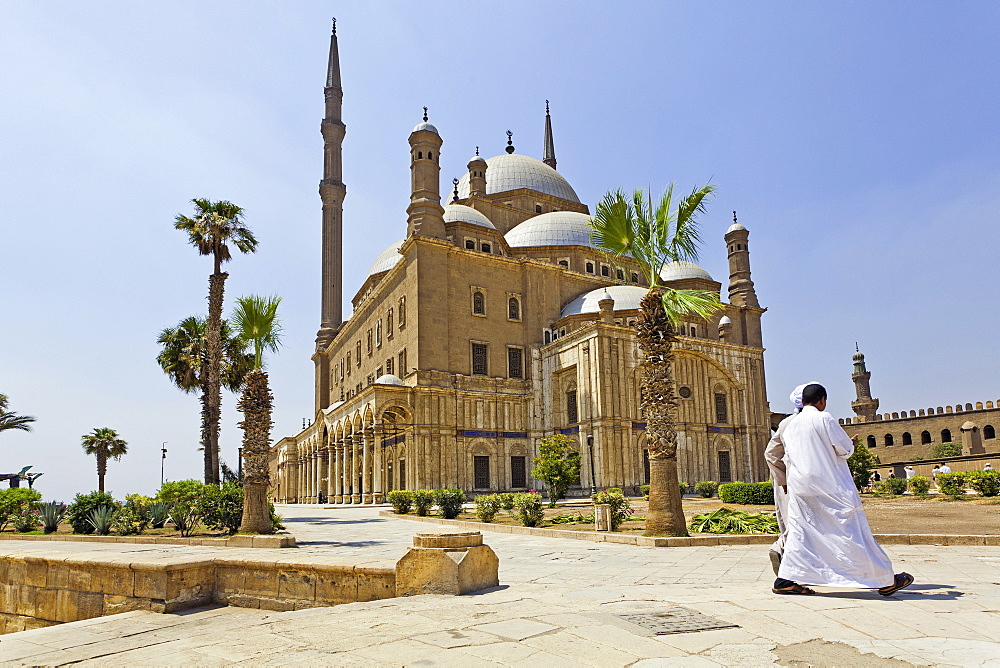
(513, 171)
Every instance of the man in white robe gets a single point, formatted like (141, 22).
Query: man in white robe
(828, 540)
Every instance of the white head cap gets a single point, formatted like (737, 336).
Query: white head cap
(796, 396)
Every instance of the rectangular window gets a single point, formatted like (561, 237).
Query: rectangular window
(369, 343)
(590, 267)
(402, 474)
(348, 364)
(518, 473)
(378, 372)
(515, 363)
(645, 466)
(470, 244)
(388, 365)
(402, 312)
(721, 410)
(388, 324)
(605, 270)
(725, 471)
(371, 379)
(563, 262)
(486, 248)
(571, 413)
(402, 362)
(479, 366)
(481, 469)
(378, 333)
(357, 352)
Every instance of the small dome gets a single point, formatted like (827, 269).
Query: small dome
(556, 228)
(682, 269)
(724, 320)
(477, 158)
(968, 426)
(454, 213)
(627, 298)
(858, 356)
(389, 379)
(425, 126)
(387, 259)
(513, 171)
(736, 227)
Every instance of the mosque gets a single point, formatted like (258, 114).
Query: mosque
(494, 322)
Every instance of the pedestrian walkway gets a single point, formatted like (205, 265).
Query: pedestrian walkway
(559, 604)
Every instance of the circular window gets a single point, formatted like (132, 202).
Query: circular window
(685, 392)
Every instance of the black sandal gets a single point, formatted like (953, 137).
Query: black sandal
(902, 580)
(794, 589)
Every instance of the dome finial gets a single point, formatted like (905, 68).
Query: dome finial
(734, 217)
(454, 182)
(546, 107)
(425, 114)
(856, 348)
(510, 142)
(477, 150)
(334, 25)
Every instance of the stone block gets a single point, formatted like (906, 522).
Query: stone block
(376, 586)
(57, 575)
(114, 604)
(88, 604)
(430, 570)
(36, 572)
(297, 584)
(240, 540)
(991, 540)
(448, 539)
(336, 586)
(150, 583)
(276, 604)
(228, 580)
(927, 539)
(78, 578)
(17, 570)
(242, 601)
(21, 600)
(261, 581)
(966, 540)
(893, 538)
(189, 587)
(46, 604)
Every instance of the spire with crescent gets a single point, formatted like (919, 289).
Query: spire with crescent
(549, 149)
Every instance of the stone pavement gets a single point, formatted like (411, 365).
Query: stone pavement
(558, 604)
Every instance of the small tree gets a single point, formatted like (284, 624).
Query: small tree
(557, 465)
(942, 450)
(862, 463)
(104, 444)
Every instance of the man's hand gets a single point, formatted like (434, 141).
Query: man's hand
(854, 439)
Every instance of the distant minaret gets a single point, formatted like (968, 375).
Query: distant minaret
(332, 191)
(549, 150)
(425, 215)
(477, 175)
(865, 406)
(741, 290)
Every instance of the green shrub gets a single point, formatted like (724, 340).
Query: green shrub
(487, 507)
(275, 517)
(727, 520)
(221, 508)
(423, 501)
(890, 486)
(747, 493)
(919, 485)
(507, 500)
(449, 502)
(572, 519)
(528, 509)
(987, 483)
(11, 500)
(159, 513)
(181, 490)
(27, 518)
(79, 512)
(644, 491)
(101, 519)
(683, 487)
(52, 514)
(948, 449)
(861, 464)
(401, 500)
(621, 508)
(184, 515)
(131, 519)
(557, 465)
(952, 484)
(706, 488)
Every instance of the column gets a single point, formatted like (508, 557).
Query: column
(378, 467)
(366, 472)
(324, 471)
(300, 478)
(338, 472)
(357, 443)
(348, 467)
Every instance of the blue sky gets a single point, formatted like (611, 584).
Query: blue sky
(857, 140)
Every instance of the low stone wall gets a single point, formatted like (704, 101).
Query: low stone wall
(272, 541)
(42, 588)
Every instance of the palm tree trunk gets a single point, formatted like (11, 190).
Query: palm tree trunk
(656, 336)
(206, 438)
(213, 353)
(102, 469)
(255, 403)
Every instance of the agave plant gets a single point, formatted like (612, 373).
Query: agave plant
(101, 519)
(184, 516)
(52, 514)
(159, 513)
(727, 520)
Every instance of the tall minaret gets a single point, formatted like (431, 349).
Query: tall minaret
(332, 191)
(425, 215)
(741, 290)
(864, 406)
(549, 150)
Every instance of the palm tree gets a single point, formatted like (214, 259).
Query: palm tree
(11, 420)
(256, 321)
(654, 234)
(103, 443)
(214, 226)
(182, 358)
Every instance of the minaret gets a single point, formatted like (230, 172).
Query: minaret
(425, 216)
(741, 291)
(864, 406)
(549, 150)
(332, 192)
(477, 175)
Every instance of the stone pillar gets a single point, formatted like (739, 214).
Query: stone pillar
(366, 473)
(972, 443)
(324, 472)
(447, 563)
(335, 473)
(300, 479)
(357, 442)
(378, 484)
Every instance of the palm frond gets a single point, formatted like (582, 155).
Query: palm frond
(256, 320)
(613, 225)
(680, 303)
(213, 225)
(686, 237)
(104, 441)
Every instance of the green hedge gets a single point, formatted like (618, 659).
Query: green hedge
(951, 484)
(890, 486)
(919, 485)
(987, 483)
(747, 493)
(706, 488)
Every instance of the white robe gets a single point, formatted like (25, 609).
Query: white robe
(774, 455)
(828, 540)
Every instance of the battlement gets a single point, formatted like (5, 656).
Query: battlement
(925, 412)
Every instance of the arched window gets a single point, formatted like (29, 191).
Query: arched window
(907, 439)
(635, 277)
(887, 439)
(871, 441)
(485, 247)
(547, 336)
(989, 431)
(478, 303)
(513, 309)
(430, 155)
(620, 274)
(572, 416)
(925, 437)
(946, 435)
(590, 267)
(420, 155)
